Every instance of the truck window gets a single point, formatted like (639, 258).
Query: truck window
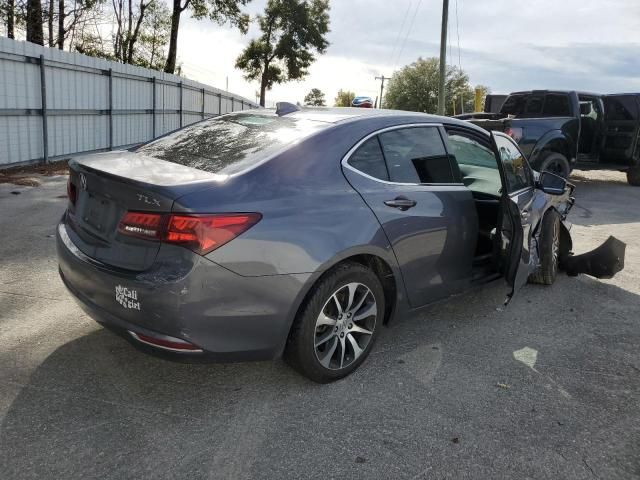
(514, 105)
(556, 105)
(623, 107)
(534, 105)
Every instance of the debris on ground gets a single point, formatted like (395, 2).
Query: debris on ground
(504, 386)
(26, 175)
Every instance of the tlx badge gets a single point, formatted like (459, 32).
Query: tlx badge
(127, 297)
(148, 200)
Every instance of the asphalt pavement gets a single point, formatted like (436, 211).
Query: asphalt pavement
(548, 387)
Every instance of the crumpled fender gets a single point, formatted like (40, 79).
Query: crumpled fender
(602, 262)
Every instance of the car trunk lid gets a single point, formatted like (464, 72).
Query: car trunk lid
(107, 186)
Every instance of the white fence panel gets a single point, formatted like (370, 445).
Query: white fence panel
(91, 104)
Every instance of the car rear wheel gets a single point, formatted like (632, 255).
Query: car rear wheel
(549, 250)
(555, 163)
(633, 176)
(336, 327)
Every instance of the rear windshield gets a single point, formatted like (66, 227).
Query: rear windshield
(232, 143)
(620, 108)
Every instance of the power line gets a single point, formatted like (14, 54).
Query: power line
(408, 33)
(404, 19)
(458, 34)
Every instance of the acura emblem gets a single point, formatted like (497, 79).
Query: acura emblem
(83, 181)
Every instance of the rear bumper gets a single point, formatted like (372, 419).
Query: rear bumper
(188, 297)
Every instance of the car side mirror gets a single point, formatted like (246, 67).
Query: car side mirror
(551, 183)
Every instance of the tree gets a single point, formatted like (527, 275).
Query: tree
(344, 98)
(315, 98)
(291, 31)
(69, 19)
(35, 33)
(129, 18)
(415, 88)
(154, 35)
(8, 13)
(220, 11)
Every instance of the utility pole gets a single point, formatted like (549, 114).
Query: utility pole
(382, 79)
(443, 55)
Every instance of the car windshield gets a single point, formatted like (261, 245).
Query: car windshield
(231, 143)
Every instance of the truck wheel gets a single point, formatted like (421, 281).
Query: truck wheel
(633, 176)
(549, 250)
(555, 163)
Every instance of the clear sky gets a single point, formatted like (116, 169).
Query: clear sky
(505, 44)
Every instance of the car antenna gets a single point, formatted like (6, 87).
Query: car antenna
(283, 108)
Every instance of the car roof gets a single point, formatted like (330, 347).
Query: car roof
(337, 115)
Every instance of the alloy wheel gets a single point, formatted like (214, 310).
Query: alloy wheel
(345, 326)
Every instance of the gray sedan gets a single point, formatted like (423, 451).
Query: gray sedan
(302, 231)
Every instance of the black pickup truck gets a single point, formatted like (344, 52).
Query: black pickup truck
(560, 130)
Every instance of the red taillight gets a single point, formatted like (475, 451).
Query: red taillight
(72, 193)
(204, 233)
(142, 225)
(200, 233)
(514, 132)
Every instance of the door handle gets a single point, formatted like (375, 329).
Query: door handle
(401, 203)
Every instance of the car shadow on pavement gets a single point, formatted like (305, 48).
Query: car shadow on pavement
(97, 407)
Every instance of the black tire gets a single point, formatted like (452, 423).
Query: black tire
(549, 250)
(555, 163)
(303, 351)
(633, 176)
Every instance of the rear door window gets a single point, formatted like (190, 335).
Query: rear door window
(368, 159)
(416, 155)
(477, 162)
(556, 105)
(231, 143)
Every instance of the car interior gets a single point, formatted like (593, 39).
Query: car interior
(590, 116)
(479, 170)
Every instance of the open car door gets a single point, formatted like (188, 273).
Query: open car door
(516, 213)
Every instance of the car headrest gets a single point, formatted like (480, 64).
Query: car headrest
(585, 108)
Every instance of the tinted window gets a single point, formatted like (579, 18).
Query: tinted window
(514, 105)
(231, 143)
(623, 107)
(416, 155)
(534, 106)
(516, 169)
(477, 162)
(557, 106)
(369, 159)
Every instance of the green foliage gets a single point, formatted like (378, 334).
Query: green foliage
(315, 98)
(292, 30)
(154, 35)
(220, 11)
(344, 98)
(415, 88)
